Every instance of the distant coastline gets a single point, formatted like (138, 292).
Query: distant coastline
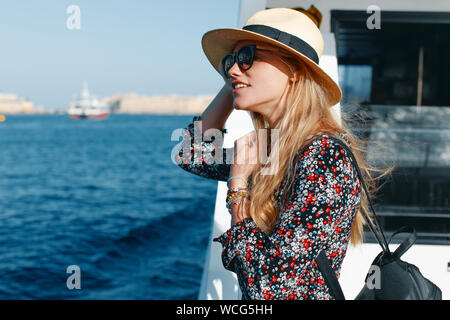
(129, 103)
(174, 104)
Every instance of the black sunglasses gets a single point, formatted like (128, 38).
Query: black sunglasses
(244, 58)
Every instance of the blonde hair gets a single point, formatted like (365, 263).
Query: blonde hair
(307, 114)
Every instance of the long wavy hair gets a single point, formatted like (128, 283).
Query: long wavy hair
(308, 114)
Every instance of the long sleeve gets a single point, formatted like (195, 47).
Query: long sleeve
(199, 156)
(318, 217)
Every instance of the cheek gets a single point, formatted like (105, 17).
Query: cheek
(273, 83)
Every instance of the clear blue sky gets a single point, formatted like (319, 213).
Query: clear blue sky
(147, 47)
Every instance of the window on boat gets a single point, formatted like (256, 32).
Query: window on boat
(396, 80)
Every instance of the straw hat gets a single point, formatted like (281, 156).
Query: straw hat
(282, 27)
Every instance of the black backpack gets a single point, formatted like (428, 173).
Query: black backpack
(399, 280)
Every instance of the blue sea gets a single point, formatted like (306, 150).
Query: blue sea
(103, 196)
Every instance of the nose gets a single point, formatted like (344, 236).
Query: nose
(234, 71)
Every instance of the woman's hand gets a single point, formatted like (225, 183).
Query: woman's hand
(245, 159)
(240, 211)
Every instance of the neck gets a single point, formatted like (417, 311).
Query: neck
(273, 118)
(275, 112)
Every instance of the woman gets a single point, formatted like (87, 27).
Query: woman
(280, 221)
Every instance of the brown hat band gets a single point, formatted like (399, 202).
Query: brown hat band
(285, 38)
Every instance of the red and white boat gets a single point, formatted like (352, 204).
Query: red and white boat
(88, 107)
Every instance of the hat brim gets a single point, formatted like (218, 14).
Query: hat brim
(219, 42)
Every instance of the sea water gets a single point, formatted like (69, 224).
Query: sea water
(106, 197)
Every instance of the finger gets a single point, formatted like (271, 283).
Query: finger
(236, 218)
(237, 214)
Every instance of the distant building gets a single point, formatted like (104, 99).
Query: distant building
(11, 103)
(121, 103)
(133, 103)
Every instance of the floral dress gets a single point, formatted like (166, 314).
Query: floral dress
(317, 216)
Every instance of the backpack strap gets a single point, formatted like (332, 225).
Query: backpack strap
(373, 224)
(406, 244)
(322, 261)
(329, 276)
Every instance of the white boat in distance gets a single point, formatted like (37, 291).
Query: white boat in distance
(88, 107)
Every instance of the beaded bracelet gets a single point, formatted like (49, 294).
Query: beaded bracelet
(234, 194)
(231, 200)
(237, 189)
(233, 191)
(231, 194)
(242, 200)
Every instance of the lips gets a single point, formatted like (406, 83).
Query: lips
(239, 84)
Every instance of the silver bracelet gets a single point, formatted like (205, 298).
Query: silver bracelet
(239, 177)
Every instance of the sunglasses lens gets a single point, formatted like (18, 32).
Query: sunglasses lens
(227, 63)
(245, 58)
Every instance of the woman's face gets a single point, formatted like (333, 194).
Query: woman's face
(267, 81)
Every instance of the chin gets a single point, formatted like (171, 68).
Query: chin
(242, 106)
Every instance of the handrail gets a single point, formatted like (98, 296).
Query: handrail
(414, 215)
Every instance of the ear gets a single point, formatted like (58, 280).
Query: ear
(294, 77)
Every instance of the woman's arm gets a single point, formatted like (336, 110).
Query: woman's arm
(197, 153)
(318, 216)
(218, 111)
